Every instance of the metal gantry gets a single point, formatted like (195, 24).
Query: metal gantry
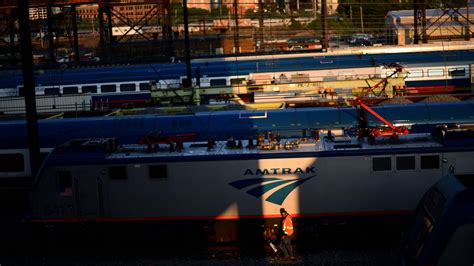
(446, 15)
(108, 16)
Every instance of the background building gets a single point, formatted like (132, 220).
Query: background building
(87, 11)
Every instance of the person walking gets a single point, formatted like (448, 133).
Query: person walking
(287, 232)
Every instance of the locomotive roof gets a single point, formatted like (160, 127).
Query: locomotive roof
(97, 151)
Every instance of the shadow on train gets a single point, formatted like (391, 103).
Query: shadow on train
(193, 239)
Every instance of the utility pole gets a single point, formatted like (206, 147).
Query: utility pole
(361, 20)
(315, 8)
(260, 23)
(189, 83)
(324, 11)
(468, 23)
(74, 33)
(236, 32)
(419, 12)
(49, 19)
(29, 85)
(350, 12)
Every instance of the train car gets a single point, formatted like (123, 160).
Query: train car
(443, 230)
(446, 78)
(218, 125)
(130, 84)
(99, 181)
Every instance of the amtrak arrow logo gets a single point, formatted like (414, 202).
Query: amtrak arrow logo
(268, 183)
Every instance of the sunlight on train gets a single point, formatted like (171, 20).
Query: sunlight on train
(282, 187)
(232, 211)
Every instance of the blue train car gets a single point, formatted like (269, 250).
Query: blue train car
(430, 70)
(218, 125)
(443, 232)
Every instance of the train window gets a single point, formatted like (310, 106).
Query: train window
(65, 183)
(218, 82)
(145, 86)
(435, 72)
(89, 89)
(406, 163)
(420, 232)
(390, 73)
(434, 203)
(237, 81)
(108, 88)
(158, 171)
(117, 172)
(382, 164)
(127, 87)
(415, 73)
(429, 162)
(457, 72)
(70, 90)
(51, 91)
(12, 162)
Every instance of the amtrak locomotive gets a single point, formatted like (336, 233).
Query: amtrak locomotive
(98, 181)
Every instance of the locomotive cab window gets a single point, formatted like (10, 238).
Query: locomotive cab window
(381, 164)
(406, 163)
(429, 162)
(65, 183)
(118, 172)
(12, 162)
(158, 171)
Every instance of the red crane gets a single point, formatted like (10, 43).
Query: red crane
(398, 69)
(390, 130)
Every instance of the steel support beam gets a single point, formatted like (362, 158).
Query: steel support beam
(49, 19)
(419, 12)
(29, 86)
(11, 20)
(324, 12)
(74, 33)
(187, 47)
(236, 31)
(468, 23)
(100, 15)
(260, 23)
(166, 32)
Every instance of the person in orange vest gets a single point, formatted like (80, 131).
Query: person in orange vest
(287, 232)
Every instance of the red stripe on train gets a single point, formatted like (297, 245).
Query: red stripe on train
(430, 89)
(222, 217)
